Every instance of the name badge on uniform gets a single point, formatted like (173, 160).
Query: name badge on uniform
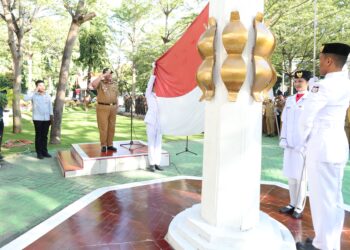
(315, 89)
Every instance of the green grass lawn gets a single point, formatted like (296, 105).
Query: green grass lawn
(79, 126)
(32, 190)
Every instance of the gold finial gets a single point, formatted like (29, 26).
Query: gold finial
(259, 17)
(212, 22)
(235, 16)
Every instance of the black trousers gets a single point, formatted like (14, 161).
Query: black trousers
(1, 131)
(41, 131)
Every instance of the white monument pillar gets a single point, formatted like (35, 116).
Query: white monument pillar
(229, 216)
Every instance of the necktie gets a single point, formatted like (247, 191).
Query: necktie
(299, 96)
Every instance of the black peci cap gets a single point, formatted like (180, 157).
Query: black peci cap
(106, 69)
(335, 48)
(303, 74)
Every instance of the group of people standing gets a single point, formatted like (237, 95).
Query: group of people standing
(140, 104)
(316, 148)
(312, 135)
(106, 110)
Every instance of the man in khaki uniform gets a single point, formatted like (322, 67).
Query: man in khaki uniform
(106, 108)
(270, 117)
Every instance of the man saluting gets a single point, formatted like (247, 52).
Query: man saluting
(106, 108)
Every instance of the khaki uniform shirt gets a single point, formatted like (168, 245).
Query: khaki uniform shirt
(107, 92)
(269, 109)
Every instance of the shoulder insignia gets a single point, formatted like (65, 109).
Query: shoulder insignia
(315, 89)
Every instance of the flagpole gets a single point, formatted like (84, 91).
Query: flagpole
(315, 31)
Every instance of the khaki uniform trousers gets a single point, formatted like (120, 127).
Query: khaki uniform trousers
(106, 116)
(270, 125)
(347, 132)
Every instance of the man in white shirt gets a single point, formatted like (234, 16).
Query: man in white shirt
(42, 117)
(154, 135)
(293, 161)
(324, 143)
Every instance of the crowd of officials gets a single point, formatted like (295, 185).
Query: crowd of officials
(139, 106)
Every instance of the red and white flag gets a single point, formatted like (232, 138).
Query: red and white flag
(176, 88)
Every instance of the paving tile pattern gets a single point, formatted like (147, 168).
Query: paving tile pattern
(138, 218)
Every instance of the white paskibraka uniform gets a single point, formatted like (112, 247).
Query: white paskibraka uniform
(154, 135)
(293, 161)
(327, 151)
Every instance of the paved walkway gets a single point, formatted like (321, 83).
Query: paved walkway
(32, 190)
(139, 218)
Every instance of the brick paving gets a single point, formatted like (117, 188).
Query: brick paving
(32, 190)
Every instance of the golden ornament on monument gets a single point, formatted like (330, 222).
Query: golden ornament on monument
(234, 70)
(265, 41)
(273, 79)
(206, 48)
(264, 74)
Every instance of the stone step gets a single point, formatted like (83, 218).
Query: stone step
(87, 158)
(67, 162)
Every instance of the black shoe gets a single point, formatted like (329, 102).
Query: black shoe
(159, 167)
(47, 155)
(305, 246)
(287, 209)
(297, 215)
(104, 149)
(151, 168)
(309, 240)
(1, 157)
(112, 148)
(40, 157)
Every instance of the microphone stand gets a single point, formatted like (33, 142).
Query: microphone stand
(186, 149)
(132, 145)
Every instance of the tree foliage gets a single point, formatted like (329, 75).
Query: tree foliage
(131, 36)
(18, 16)
(92, 47)
(292, 22)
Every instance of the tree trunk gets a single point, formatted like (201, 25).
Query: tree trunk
(77, 19)
(55, 136)
(15, 31)
(17, 124)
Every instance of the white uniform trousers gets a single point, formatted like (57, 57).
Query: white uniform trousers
(154, 138)
(326, 199)
(297, 192)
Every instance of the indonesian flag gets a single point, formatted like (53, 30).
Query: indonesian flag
(176, 88)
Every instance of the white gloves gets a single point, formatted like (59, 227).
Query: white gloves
(283, 143)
